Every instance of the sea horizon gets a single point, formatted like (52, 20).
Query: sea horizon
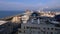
(9, 13)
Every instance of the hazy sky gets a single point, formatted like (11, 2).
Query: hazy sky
(28, 4)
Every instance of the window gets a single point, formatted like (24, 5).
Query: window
(38, 32)
(51, 32)
(9, 24)
(43, 32)
(51, 28)
(27, 27)
(24, 27)
(57, 29)
(19, 31)
(24, 31)
(33, 27)
(48, 28)
(47, 32)
(43, 28)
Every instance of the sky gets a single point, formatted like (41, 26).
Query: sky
(28, 4)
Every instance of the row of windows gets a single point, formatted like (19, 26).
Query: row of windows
(42, 28)
(39, 32)
(57, 29)
(33, 27)
(39, 28)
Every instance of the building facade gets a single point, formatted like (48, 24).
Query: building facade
(38, 25)
(6, 28)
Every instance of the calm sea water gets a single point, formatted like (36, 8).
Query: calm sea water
(9, 13)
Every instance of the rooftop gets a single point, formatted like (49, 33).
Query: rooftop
(38, 20)
(3, 22)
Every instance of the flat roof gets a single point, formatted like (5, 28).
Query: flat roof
(3, 22)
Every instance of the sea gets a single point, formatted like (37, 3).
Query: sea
(4, 14)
